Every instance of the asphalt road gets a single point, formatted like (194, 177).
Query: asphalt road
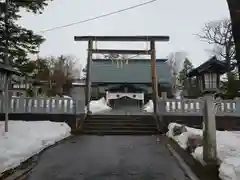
(108, 158)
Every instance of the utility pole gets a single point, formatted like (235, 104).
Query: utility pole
(6, 62)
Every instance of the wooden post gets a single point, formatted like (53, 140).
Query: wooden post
(6, 100)
(154, 75)
(88, 76)
(209, 131)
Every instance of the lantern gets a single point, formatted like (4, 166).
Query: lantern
(208, 74)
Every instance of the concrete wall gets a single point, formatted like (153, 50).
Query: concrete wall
(229, 123)
(78, 92)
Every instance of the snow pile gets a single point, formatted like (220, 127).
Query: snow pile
(178, 94)
(99, 106)
(26, 139)
(228, 149)
(149, 106)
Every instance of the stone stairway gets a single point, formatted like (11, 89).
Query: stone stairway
(120, 125)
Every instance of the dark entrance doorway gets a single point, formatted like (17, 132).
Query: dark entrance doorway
(125, 102)
(128, 104)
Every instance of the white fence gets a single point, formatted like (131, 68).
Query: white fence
(43, 105)
(195, 107)
(184, 107)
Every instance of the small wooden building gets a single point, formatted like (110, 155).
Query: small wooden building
(25, 85)
(208, 74)
(4, 70)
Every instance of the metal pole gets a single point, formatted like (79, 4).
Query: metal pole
(88, 76)
(154, 76)
(6, 61)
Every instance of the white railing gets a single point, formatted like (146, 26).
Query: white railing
(227, 107)
(185, 107)
(48, 105)
(55, 105)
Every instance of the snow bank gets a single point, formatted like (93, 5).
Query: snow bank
(228, 150)
(99, 106)
(26, 139)
(149, 106)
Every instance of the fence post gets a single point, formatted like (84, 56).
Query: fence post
(209, 130)
(161, 108)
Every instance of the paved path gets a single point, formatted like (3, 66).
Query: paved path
(108, 158)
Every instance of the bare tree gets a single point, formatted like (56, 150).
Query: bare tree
(219, 34)
(58, 71)
(62, 69)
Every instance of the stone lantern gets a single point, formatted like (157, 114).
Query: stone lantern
(208, 75)
(208, 80)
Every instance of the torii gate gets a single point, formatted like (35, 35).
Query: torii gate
(234, 8)
(151, 52)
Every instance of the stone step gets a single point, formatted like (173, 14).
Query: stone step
(120, 132)
(118, 128)
(122, 117)
(133, 121)
(119, 124)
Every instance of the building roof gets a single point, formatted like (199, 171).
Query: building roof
(29, 79)
(136, 71)
(211, 65)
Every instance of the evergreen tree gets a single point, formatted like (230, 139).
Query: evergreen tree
(21, 41)
(188, 89)
(232, 85)
(187, 66)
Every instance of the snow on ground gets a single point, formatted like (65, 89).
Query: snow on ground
(149, 106)
(99, 106)
(26, 139)
(228, 150)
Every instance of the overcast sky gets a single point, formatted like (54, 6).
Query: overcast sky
(180, 19)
